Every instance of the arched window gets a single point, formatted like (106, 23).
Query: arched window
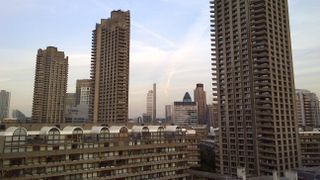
(54, 136)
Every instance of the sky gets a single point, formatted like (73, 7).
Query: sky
(170, 45)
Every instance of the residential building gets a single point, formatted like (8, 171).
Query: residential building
(93, 152)
(307, 108)
(110, 69)
(200, 97)
(254, 84)
(4, 104)
(185, 112)
(310, 148)
(83, 91)
(50, 86)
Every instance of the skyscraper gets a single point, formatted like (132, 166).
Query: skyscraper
(307, 108)
(149, 104)
(200, 98)
(83, 91)
(152, 104)
(50, 86)
(4, 104)
(252, 65)
(154, 110)
(110, 69)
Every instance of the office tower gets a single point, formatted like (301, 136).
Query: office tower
(154, 106)
(18, 115)
(4, 104)
(253, 68)
(110, 69)
(200, 98)
(50, 86)
(185, 111)
(168, 112)
(307, 108)
(83, 91)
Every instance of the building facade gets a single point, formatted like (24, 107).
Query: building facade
(307, 108)
(110, 69)
(70, 100)
(50, 86)
(115, 152)
(83, 91)
(253, 75)
(200, 97)
(310, 148)
(4, 104)
(212, 115)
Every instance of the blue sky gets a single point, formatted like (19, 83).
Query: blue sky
(169, 45)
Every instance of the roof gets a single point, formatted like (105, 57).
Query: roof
(97, 129)
(187, 97)
(70, 129)
(116, 129)
(191, 131)
(10, 130)
(154, 128)
(46, 129)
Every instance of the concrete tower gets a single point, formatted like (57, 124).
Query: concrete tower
(50, 86)
(253, 74)
(110, 69)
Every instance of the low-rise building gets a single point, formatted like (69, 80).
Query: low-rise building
(95, 152)
(310, 148)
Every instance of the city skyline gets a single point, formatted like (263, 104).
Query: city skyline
(177, 44)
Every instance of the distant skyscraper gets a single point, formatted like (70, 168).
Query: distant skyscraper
(154, 106)
(253, 71)
(110, 69)
(185, 112)
(200, 97)
(307, 108)
(83, 91)
(151, 103)
(168, 111)
(50, 86)
(4, 104)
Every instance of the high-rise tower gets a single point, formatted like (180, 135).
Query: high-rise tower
(50, 86)
(252, 65)
(4, 104)
(200, 98)
(110, 69)
(307, 108)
